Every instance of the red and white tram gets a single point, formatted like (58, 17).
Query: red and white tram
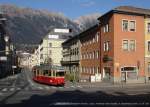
(48, 74)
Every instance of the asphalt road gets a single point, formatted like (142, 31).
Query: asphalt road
(21, 91)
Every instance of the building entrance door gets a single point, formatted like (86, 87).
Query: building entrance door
(128, 73)
(107, 73)
(123, 77)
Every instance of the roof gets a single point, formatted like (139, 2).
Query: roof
(128, 10)
(133, 9)
(80, 34)
(49, 67)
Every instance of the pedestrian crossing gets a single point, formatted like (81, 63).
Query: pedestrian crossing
(32, 88)
(6, 89)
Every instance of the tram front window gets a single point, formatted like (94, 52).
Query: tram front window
(59, 74)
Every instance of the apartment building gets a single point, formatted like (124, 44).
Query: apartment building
(90, 55)
(6, 49)
(71, 57)
(81, 55)
(147, 47)
(50, 49)
(122, 45)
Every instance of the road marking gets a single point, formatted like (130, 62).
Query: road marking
(1, 94)
(12, 89)
(47, 88)
(40, 88)
(79, 86)
(18, 88)
(54, 87)
(93, 104)
(60, 87)
(27, 88)
(72, 86)
(4, 89)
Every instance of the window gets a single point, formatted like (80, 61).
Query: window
(148, 46)
(125, 45)
(104, 46)
(149, 67)
(148, 27)
(107, 46)
(50, 52)
(97, 54)
(83, 69)
(132, 26)
(93, 55)
(50, 44)
(93, 39)
(106, 28)
(90, 42)
(93, 70)
(129, 45)
(90, 55)
(97, 36)
(132, 45)
(98, 69)
(41, 56)
(90, 70)
(87, 55)
(125, 25)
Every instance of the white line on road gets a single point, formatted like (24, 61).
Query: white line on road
(66, 87)
(47, 88)
(27, 88)
(60, 87)
(54, 87)
(93, 104)
(12, 89)
(1, 94)
(79, 86)
(4, 89)
(40, 88)
(72, 86)
(18, 88)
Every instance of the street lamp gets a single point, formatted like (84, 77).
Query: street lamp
(6, 38)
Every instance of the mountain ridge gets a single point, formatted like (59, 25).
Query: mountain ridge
(29, 26)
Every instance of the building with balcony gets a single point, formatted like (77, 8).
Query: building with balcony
(147, 47)
(81, 55)
(71, 57)
(122, 45)
(49, 51)
(90, 55)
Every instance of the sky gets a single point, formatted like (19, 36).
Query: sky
(76, 8)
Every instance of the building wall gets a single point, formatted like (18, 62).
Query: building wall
(90, 45)
(107, 36)
(71, 57)
(147, 53)
(128, 58)
(112, 69)
(54, 52)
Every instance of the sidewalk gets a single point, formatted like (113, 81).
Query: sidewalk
(9, 77)
(105, 84)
